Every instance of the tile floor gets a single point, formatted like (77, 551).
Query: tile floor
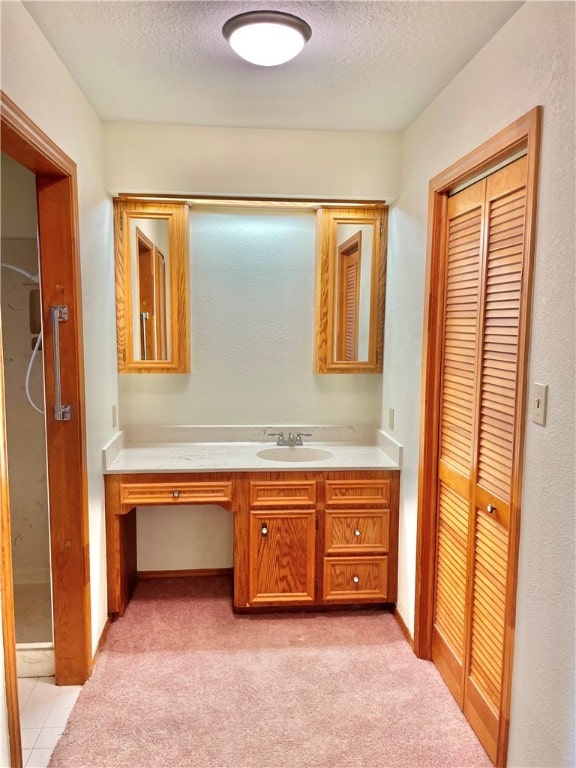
(44, 711)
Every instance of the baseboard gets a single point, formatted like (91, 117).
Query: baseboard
(186, 574)
(404, 628)
(101, 641)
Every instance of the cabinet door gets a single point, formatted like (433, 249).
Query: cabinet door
(282, 554)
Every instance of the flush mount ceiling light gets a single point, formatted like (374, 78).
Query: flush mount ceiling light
(266, 38)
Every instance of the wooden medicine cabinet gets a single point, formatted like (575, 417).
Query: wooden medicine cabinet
(350, 289)
(152, 286)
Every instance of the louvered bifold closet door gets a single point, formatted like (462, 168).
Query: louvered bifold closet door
(483, 281)
(352, 303)
(457, 428)
(494, 452)
(349, 300)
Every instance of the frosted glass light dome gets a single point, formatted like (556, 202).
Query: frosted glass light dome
(266, 38)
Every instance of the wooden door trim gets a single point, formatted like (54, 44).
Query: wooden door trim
(66, 440)
(523, 133)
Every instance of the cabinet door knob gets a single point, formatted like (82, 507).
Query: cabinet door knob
(175, 494)
(490, 509)
(355, 579)
(357, 532)
(264, 529)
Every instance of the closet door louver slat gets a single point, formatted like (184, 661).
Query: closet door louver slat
(460, 334)
(500, 343)
(450, 592)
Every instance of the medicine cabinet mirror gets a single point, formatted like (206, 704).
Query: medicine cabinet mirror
(152, 286)
(350, 289)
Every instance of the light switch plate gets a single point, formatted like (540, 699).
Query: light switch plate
(538, 403)
(390, 418)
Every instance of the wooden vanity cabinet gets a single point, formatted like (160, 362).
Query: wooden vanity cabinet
(301, 539)
(320, 539)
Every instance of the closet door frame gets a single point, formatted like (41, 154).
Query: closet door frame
(522, 134)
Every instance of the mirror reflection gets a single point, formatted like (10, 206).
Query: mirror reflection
(352, 305)
(149, 251)
(152, 286)
(350, 289)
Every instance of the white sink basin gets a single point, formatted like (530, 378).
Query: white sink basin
(294, 453)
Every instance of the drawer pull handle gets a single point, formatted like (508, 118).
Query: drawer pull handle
(490, 509)
(175, 494)
(355, 579)
(264, 529)
(357, 532)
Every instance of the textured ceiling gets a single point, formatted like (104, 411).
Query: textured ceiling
(368, 65)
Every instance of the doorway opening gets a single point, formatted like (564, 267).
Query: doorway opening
(25, 426)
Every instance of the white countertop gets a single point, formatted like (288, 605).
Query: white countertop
(235, 449)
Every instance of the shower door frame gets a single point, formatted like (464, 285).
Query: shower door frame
(59, 260)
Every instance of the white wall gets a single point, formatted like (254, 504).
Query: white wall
(281, 387)
(249, 162)
(252, 319)
(34, 78)
(183, 159)
(529, 62)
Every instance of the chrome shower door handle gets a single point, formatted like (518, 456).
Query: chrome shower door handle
(144, 317)
(58, 314)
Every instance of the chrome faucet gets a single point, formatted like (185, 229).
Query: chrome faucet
(291, 440)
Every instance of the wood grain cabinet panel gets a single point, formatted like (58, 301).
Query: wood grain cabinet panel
(284, 493)
(356, 579)
(177, 492)
(357, 531)
(360, 540)
(357, 493)
(282, 547)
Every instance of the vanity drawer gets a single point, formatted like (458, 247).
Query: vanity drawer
(357, 493)
(355, 578)
(135, 494)
(286, 494)
(357, 531)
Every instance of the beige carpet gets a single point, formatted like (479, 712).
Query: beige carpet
(183, 682)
